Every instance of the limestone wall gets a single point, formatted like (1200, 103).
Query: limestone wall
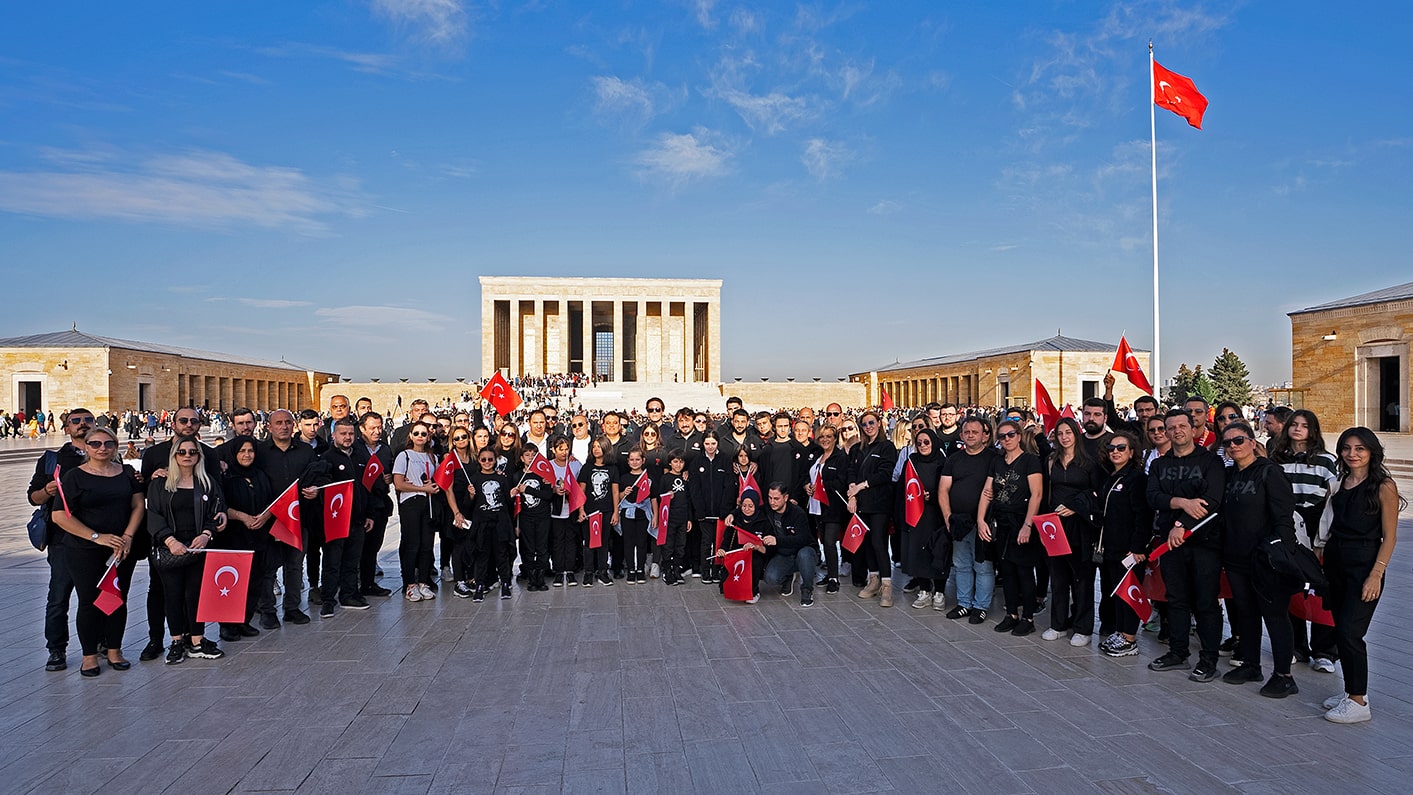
(1335, 378)
(760, 395)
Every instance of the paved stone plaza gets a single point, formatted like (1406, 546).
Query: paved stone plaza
(655, 689)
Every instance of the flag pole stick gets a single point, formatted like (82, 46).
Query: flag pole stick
(1153, 140)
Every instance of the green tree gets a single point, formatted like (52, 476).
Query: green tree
(1230, 379)
(1202, 387)
(1183, 384)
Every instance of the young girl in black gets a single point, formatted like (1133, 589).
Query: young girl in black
(673, 485)
(492, 534)
(534, 520)
(599, 480)
(634, 518)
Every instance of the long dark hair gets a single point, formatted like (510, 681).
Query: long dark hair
(1377, 473)
(1081, 454)
(1281, 451)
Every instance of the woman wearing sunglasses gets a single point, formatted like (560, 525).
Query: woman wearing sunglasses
(1126, 528)
(1011, 499)
(1073, 479)
(100, 511)
(248, 493)
(182, 510)
(826, 506)
(507, 449)
(412, 480)
(870, 497)
(454, 534)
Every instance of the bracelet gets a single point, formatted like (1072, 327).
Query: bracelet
(1380, 563)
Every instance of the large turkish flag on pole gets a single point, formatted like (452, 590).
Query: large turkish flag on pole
(224, 584)
(737, 585)
(286, 526)
(500, 394)
(1125, 362)
(1178, 94)
(338, 510)
(913, 494)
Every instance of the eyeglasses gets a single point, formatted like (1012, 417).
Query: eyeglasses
(1152, 431)
(869, 423)
(1235, 441)
(652, 410)
(188, 420)
(83, 420)
(418, 434)
(832, 414)
(850, 429)
(1229, 417)
(461, 438)
(181, 453)
(1116, 448)
(1006, 434)
(508, 434)
(97, 445)
(578, 424)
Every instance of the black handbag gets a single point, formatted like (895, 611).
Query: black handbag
(1294, 562)
(163, 559)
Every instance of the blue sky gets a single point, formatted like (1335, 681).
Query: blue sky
(324, 181)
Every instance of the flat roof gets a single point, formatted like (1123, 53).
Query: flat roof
(1056, 343)
(1399, 292)
(73, 338)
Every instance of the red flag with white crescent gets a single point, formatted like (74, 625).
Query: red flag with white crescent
(541, 466)
(744, 536)
(286, 526)
(1131, 591)
(372, 472)
(224, 584)
(1045, 407)
(913, 494)
(854, 534)
(338, 510)
(446, 471)
(1178, 94)
(500, 394)
(737, 585)
(595, 529)
(642, 488)
(573, 492)
(663, 503)
(1127, 363)
(110, 596)
(1052, 534)
(748, 481)
(820, 492)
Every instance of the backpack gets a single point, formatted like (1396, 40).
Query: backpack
(38, 526)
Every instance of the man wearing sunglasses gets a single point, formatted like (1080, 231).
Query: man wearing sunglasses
(42, 489)
(582, 435)
(284, 462)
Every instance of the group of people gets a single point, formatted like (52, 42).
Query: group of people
(949, 496)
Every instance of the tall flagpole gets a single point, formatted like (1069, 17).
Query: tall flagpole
(1153, 137)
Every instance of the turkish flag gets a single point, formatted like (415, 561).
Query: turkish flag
(110, 596)
(446, 471)
(748, 481)
(338, 510)
(1045, 407)
(720, 531)
(1163, 548)
(224, 584)
(372, 472)
(744, 536)
(737, 585)
(500, 394)
(62, 497)
(541, 466)
(1224, 586)
(1067, 411)
(854, 534)
(1125, 362)
(1178, 94)
(885, 400)
(286, 526)
(913, 494)
(1131, 591)
(595, 529)
(573, 491)
(642, 488)
(663, 503)
(1153, 586)
(1309, 607)
(820, 492)
(1052, 534)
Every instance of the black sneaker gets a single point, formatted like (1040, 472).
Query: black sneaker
(588, 579)
(1205, 671)
(559, 581)
(1168, 662)
(462, 590)
(154, 649)
(247, 631)
(505, 590)
(1228, 647)
(1025, 627)
(1243, 674)
(788, 587)
(806, 600)
(326, 609)
(569, 580)
(207, 650)
(296, 617)
(315, 598)
(58, 661)
(911, 587)
(176, 652)
(229, 635)
(269, 621)
(958, 612)
(607, 580)
(1279, 687)
(354, 603)
(376, 590)
(479, 595)
(832, 586)
(976, 617)
(1007, 624)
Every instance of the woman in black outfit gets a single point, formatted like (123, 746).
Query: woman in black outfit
(870, 494)
(1362, 538)
(748, 516)
(831, 469)
(1011, 499)
(1126, 529)
(599, 480)
(104, 509)
(923, 562)
(1073, 478)
(248, 494)
(1258, 509)
(181, 516)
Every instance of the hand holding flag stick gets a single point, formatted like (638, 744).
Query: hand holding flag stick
(1163, 548)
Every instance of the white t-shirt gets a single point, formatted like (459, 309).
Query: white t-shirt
(416, 467)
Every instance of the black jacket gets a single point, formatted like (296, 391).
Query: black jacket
(161, 523)
(1200, 474)
(712, 486)
(380, 501)
(873, 464)
(1126, 521)
(1259, 504)
(791, 529)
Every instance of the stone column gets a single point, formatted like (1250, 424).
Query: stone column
(515, 335)
(689, 338)
(617, 368)
(640, 342)
(488, 332)
(537, 345)
(586, 331)
(563, 323)
(713, 338)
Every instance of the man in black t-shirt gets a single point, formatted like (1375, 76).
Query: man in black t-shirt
(42, 488)
(963, 477)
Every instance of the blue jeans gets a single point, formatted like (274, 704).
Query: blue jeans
(976, 580)
(780, 566)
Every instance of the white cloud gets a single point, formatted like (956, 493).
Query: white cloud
(441, 23)
(403, 318)
(366, 62)
(702, 10)
(1004, 246)
(745, 21)
(885, 207)
(196, 188)
(681, 158)
(824, 159)
(769, 112)
(272, 303)
(621, 99)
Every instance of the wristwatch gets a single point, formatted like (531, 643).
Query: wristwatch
(94, 536)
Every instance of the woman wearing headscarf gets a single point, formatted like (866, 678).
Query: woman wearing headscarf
(248, 495)
(749, 515)
(927, 547)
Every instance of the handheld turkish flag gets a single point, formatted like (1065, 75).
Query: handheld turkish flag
(500, 394)
(1153, 586)
(372, 472)
(1045, 407)
(1131, 591)
(663, 503)
(286, 526)
(62, 497)
(720, 531)
(1125, 362)
(541, 466)
(642, 488)
(1178, 94)
(1309, 607)
(854, 534)
(913, 494)
(744, 536)
(885, 400)
(737, 585)
(1163, 548)
(446, 471)
(748, 481)
(1052, 534)
(595, 529)
(820, 492)
(573, 491)
(338, 510)
(110, 596)
(224, 584)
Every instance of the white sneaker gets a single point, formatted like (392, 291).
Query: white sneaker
(654, 572)
(426, 592)
(690, 573)
(1323, 664)
(1348, 711)
(414, 594)
(1079, 640)
(923, 600)
(1049, 634)
(753, 599)
(1333, 701)
(939, 601)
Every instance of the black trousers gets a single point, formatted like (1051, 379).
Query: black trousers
(635, 542)
(675, 550)
(564, 544)
(595, 560)
(182, 586)
(1314, 640)
(56, 604)
(368, 558)
(879, 561)
(313, 555)
(463, 560)
(829, 534)
(1193, 575)
(1261, 596)
(342, 558)
(1018, 584)
(415, 551)
(1347, 565)
(1114, 613)
(87, 567)
(495, 552)
(534, 543)
(1072, 594)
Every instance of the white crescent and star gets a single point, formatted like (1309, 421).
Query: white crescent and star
(1135, 593)
(1048, 528)
(335, 503)
(737, 569)
(293, 512)
(217, 578)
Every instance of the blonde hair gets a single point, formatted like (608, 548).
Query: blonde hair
(198, 471)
